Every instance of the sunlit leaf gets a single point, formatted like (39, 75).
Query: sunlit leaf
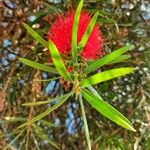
(88, 31)
(106, 59)
(91, 88)
(36, 35)
(107, 110)
(120, 59)
(38, 66)
(58, 61)
(106, 75)
(75, 31)
(46, 112)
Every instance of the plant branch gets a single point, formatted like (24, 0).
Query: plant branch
(85, 122)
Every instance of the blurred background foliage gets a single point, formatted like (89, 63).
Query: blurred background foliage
(122, 22)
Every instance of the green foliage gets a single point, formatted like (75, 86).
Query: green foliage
(38, 66)
(107, 59)
(105, 20)
(27, 92)
(58, 104)
(107, 110)
(75, 31)
(58, 61)
(43, 102)
(93, 98)
(12, 119)
(105, 76)
(88, 31)
(36, 35)
(120, 59)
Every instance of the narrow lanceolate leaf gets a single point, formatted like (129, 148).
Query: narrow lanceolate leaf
(12, 119)
(106, 75)
(91, 88)
(46, 112)
(120, 59)
(58, 61)
(44, 102)
(75, 31)
(105, 20)
(107, 110)
(117, 60)
(38, 66)
(88, 31)
(106, 59)
(36, 35)
(48, 123)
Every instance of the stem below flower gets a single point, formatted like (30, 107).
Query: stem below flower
(85, 122)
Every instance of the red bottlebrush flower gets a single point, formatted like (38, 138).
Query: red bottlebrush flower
(61, 33)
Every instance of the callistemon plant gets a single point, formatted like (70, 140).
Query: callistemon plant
(61, 34)
(75, 43)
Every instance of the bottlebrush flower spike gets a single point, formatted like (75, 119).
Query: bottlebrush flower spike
(61, 33)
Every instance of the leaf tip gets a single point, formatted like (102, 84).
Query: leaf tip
(132, 129)
(134, 69)
(131, 46)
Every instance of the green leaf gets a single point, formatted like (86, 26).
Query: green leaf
(105, 20)
(97, 1)
(48, 123)
(38, 66)
(107, 110)
(49, 9)
(75, 31)
(52, 8)
(101, 12)
(46, 112)
(58, 61)
(120, 59)
(40, 133)
(106, 59)
(106, 75)
(37, 103)
(44, 102)
(88, 31)
(47, 80)
(12, 119)
(94, 91)
(36, 35)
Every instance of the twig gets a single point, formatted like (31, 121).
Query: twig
(85, 122)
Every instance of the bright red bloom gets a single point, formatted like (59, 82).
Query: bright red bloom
(61, 33)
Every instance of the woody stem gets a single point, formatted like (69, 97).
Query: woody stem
(85, 122)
